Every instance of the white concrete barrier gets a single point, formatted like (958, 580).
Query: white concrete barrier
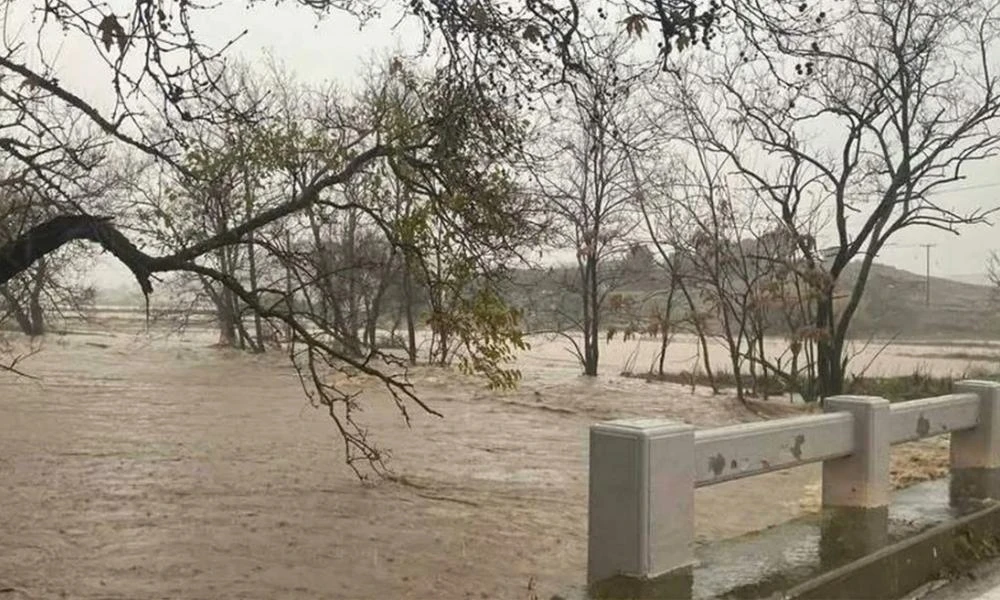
(643, 472)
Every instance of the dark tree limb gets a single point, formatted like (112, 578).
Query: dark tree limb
(18, 254)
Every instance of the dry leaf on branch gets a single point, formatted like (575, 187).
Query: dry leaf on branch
(111, 32)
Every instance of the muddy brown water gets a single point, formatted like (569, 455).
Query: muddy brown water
(148, 467)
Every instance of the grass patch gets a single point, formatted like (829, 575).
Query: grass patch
(943, 343)
(978, 356)
(918, 384)
(723, 379)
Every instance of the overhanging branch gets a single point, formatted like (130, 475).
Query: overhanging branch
(18, 254)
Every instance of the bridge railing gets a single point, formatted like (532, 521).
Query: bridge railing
(643, 472)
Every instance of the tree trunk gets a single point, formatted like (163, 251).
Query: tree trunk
(374, 307)
(224, 310)
(371, 327)
(442, 347)
(752, 366)
(234, 310)
(733, 343)
(830, 380)
(227, 321)
(699, 329)
(36, 313)
(765, 374)
(230, 297)
(350, 260)
(411, 327)
(663, 349)
(289, 294)
(245, 337)
(734, 358)
(829, 376)
(666, 321)
(591, 317)
(323, 280)
(223, 313)
(37, 316)
(23, 321)
(252, 266)
(830, 348)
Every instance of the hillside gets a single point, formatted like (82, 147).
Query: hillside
(894, 303)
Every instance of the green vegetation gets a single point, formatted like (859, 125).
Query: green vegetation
(918, 384)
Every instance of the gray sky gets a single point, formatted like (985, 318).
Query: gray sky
(335, 49)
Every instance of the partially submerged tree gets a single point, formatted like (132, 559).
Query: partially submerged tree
(868, 123)
(464, 223)
(589, 190)
(52, 162)
(452, 147)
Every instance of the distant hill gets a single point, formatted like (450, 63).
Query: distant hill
(973, 278)
(894, 303)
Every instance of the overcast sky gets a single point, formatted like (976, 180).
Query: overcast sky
(335, 49)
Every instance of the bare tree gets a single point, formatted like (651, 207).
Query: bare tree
(589, 188)
(44, 290)
(40, 181)
(909, 94)
(993, 274)
(173, 210)
(705, 234)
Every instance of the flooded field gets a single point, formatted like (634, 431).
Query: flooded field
(145, 466)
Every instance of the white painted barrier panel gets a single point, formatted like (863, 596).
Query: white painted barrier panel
(726, 453)
(643, 472)
(916, 419)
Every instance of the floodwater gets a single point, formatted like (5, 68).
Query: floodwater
(139, 466)
(869, 357)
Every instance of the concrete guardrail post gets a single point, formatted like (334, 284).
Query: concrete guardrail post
(860, 480)
(975, 453)
(856, 488)
(641, 513)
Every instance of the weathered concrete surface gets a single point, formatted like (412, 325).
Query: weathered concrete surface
(979, 447)
(903, 567)
(860, 480)
(767, 563)
(738, 451)
(848, 531)
(981, 582)
(917, 419)
(975, 454)
(641, 517)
